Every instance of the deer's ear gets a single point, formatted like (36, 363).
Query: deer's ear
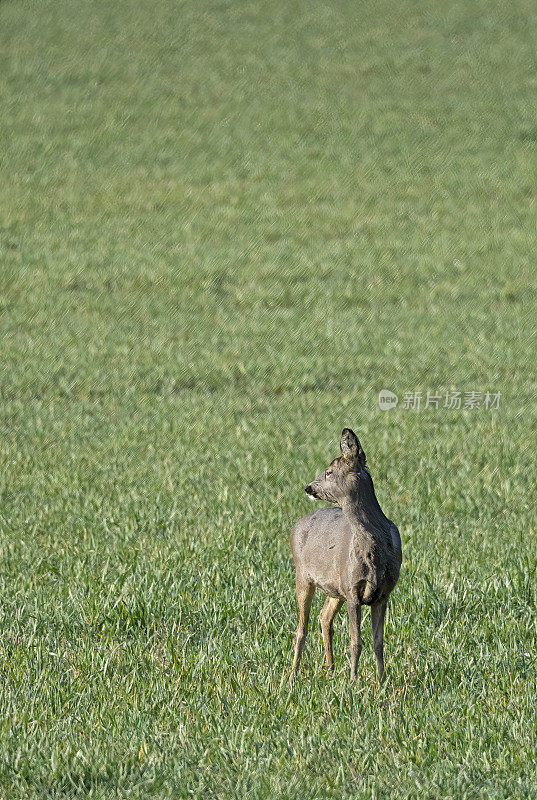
(351, 448)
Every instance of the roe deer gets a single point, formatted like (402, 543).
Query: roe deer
(352, 552)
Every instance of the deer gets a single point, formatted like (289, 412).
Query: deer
(351, 551)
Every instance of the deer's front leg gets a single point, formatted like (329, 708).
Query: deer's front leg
(304, 594)
(355, 622)
(326, 617)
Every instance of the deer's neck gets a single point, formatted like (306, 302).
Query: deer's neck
(362, 507)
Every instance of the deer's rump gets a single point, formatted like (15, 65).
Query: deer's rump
(330, 555)
(322, 545)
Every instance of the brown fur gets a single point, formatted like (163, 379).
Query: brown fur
(352, 552)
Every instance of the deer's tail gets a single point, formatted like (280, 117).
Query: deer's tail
(368, 591)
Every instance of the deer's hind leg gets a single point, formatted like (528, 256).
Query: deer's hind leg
(304, 595)
(355, 621)
(326, 617)
(378, 614)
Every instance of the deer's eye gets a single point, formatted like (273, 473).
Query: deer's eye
(328, 472)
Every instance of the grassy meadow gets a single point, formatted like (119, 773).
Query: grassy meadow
(224, 228)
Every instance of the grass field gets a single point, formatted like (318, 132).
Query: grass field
(224, 228)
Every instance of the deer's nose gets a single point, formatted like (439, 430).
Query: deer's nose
(309, 491)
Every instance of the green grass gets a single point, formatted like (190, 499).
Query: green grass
(224, 227)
